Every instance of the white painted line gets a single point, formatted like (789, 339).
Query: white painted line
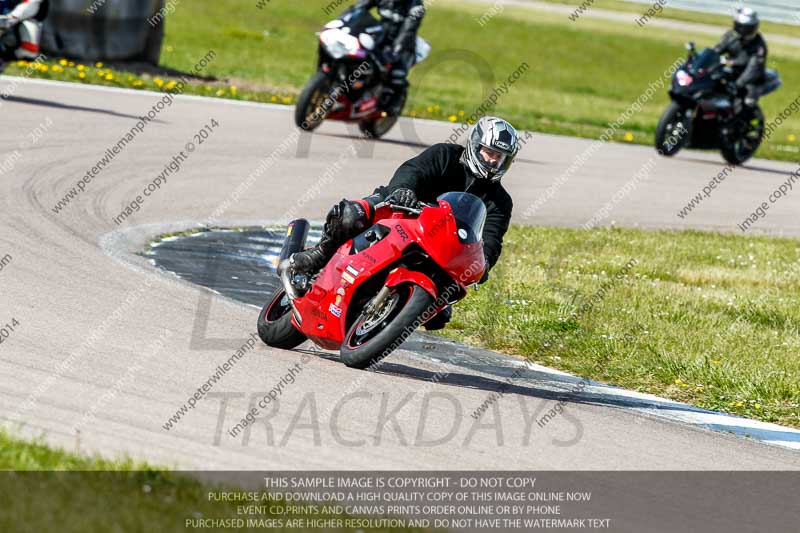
(656, 406)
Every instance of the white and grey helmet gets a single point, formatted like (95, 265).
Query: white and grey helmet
(745, 22)
(491, 147)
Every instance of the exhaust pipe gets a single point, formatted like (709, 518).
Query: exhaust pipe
(296, 235)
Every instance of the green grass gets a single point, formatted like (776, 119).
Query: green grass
(702, 318)
(47, 489)
(134, 497)
(582, 75)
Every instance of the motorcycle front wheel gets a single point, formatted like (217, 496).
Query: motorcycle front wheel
(311, 109)
(672, 131)
(378, 332)
(275, 323)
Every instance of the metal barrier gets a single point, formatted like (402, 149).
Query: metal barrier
(105, 29)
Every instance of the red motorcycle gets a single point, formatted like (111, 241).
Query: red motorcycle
(350, 76)
(381, 285)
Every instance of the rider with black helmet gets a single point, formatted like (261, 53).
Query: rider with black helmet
(476, 168)
(401, 20)
(747, 53)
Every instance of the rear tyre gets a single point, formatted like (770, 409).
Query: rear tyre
(310, 112)
(375, 335)
(749, 132)
(672, 131)
(275, 323)
(377, 128)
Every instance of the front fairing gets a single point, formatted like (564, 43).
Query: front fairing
(354, 24)
(700, 87)
(459, 255)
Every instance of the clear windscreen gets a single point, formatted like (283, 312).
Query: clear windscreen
(470, 214)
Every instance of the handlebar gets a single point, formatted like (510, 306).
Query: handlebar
(409, 210)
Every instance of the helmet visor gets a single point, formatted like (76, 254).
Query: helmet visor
(491, 158)
(745, 30)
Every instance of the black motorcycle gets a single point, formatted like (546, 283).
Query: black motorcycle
(706, 112)
(350, 78)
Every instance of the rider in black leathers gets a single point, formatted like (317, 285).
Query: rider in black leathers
(747, 54)
(401, 20)
(476, 168)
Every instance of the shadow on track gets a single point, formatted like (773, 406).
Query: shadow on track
(720, 165)
(68, 107)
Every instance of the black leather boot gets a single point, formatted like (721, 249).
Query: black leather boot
(441, 319)
(309, 261)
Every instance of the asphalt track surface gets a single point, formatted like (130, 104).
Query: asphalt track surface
(83, 367)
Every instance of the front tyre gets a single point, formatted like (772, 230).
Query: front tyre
(311, 108)
(672, 131)
(275, 323)
(377, 333)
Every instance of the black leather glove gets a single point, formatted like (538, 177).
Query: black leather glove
(733, 89)
(404, 198)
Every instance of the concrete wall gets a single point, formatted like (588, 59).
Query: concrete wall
(104, 30)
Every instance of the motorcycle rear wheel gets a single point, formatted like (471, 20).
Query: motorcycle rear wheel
(751, 125)
(668, 128)
(308, 113)
(375, 335)
(378, 127)
(275, 323)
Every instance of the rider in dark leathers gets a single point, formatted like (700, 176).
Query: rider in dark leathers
(476, 168)
(401, 20)
(747, 54)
